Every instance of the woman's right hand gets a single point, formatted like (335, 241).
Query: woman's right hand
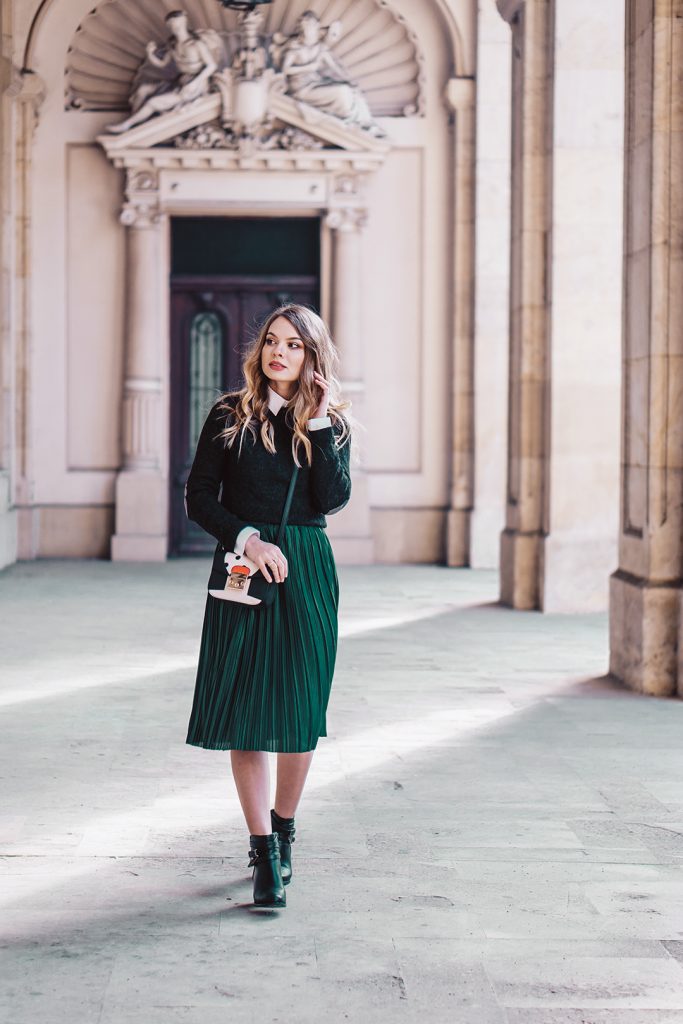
(268, 557)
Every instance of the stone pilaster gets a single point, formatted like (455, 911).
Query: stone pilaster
(460, 99)
(8, 77)
(521, 549)
(646, 625)
(350, 529)
(27, 89)
(141, 486)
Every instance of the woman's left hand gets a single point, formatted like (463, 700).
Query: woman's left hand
(325, 399)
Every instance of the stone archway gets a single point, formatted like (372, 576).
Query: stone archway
(346, 168)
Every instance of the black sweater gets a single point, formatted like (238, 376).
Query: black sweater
(254, 484)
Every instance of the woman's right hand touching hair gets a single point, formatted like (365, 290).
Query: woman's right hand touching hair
(268, 557)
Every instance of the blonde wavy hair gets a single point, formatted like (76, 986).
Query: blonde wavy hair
(248, 406)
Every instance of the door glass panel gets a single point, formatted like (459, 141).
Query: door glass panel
(206, 347)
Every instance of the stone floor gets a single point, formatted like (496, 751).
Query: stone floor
(491, 833)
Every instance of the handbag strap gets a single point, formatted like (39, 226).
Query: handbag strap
(288, 503)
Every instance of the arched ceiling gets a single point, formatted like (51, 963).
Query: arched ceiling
(376, 47)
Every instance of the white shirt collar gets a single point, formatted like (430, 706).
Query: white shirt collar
(275, 401)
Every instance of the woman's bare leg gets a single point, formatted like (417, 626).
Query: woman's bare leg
(252, 778)
(292, 770)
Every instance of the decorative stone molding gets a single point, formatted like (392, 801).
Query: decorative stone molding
(178, 159)
(216, 136)
(347, 185)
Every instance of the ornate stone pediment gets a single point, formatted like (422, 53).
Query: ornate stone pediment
(287, 125)
(274, 94)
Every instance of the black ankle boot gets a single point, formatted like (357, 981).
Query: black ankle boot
(284, 829)
(264, 857)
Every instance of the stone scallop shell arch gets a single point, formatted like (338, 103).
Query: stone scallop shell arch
(376, 47)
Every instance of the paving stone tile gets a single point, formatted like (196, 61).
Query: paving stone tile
(612, 982)
(559, 1015)
(491, 832)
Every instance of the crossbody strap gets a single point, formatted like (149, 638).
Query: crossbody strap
(288, 502)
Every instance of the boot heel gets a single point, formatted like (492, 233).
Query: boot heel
(264, 857)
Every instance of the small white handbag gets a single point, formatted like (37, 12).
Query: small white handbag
(241, 571)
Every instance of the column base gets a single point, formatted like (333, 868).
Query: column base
(520, 569)
(353, 550)
(350, 531)
(576, 570)
(141, 517)
(458, 522)
(129, 548)
(644, 624)
(8, 524)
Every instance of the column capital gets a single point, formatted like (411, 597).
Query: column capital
(10, 78)
(142, 208)
(142, 214)
(24, 86)
(346, 218)
(459, 94)
(509, 9)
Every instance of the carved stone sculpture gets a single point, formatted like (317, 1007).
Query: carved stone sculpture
(385, 55)
(270, 136)
(314, 76)
(251, 59)
(301, 66)
(186, 62)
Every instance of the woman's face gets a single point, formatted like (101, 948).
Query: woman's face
(284, 347)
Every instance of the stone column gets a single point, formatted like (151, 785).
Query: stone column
(10, 88)
(350, 530)
(521, 548)
(646, 625)
(460, 96)
(29, 91)
(141, 487)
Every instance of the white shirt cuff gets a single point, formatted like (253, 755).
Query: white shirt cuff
(318, 422)
(243, 536)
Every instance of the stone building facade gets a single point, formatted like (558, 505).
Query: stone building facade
(482, 200)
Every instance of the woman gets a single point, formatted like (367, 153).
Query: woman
(264, 674)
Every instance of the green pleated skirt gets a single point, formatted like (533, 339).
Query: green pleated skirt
(264, 673)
